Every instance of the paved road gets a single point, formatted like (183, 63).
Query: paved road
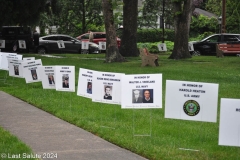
(45, 133)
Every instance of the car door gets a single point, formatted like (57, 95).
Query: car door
(71, 45)
(209, 46)
(51, 43)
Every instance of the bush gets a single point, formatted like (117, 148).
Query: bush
(154, 35)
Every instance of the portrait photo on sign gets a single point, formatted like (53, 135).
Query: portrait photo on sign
(147, 95)
(65, 79)
(137, 96)
(107, 92)
(89, 87)
(34, 74)
(16, 70)
(51, 79)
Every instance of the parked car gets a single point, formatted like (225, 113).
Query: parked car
(11, 35)
(207, 46)
(97, 37)
(49, 44)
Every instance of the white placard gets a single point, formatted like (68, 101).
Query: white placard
(31, 71)
(22, 44)
(5, 57)
(142, 91)
(190, 46)
(65, 78)
(15, 68)
(85, 45)
(85, 82)
(191, 100)
(60, 44)
(162, 47)
(102, 45)
(2, 43)
(229, 129)
(28, 58)
(47, 74)
(107, 87)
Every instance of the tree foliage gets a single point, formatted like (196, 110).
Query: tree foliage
(21, 12)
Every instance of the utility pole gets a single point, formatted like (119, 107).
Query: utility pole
(163, 8)
(223, 16)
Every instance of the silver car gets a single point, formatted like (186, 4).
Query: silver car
(63, 44)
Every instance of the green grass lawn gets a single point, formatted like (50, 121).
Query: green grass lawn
(165, 137)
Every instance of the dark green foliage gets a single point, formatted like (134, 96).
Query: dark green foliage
(154, 35)
(21, 12)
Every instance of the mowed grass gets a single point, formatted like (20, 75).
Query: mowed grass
(11, 147)
(160, 138)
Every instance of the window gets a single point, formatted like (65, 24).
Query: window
(230, 38)
(213, 39)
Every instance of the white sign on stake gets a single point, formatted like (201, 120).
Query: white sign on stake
(60, 44)
(5, 57)
(31, 71)
(102, 45)
(107, 87)
(2, 43)
(84, 45)
(162, 47)
(191, 101)
(85, 82)
(47, 76)
(65, 78)
(22, 44)
(142, 91)
(15, 68)
(190, 46)
(229, 129)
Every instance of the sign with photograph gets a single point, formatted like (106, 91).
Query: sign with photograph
(191, 100)
(60, 44)
(85, 82)
(22, 44)
(102, 45)
(2, 43)
(142, 91)
(190, 46)
(229, 127)
(162, 47)
(31, 71)
(84, 45)
(47, 74)
(65, 78)
(15, 68)
(107, 87)
(4, 60)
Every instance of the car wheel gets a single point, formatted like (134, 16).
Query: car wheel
(84, 51)
(41, 50)
(196, 53)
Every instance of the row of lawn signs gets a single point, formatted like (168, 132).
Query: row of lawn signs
(60, 43)
(163, 47)
(185, 100)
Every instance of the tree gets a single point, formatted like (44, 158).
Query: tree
(129, 35)
(21, 12)
(112, 52)
(182, 10)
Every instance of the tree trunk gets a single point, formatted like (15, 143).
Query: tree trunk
(129, 36)
(112, 52)
(183, 12)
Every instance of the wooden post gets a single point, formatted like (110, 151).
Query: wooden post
(223, 16)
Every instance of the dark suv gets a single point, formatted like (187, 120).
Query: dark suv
(207, 46)
(11, 35)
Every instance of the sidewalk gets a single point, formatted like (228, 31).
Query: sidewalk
(45, 133)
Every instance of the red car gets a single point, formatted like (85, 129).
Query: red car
(97, 37)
